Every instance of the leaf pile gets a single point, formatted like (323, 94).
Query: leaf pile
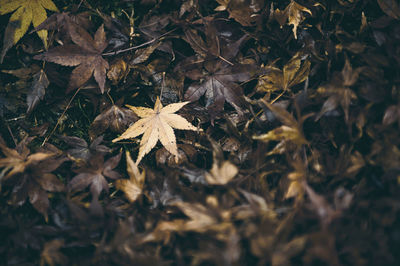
(187, 132)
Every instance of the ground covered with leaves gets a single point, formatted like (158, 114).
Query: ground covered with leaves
(200, 132)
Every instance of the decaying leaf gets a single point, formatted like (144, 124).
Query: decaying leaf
(39, 85)
(291, 130)
(80, 150)
(157, 124)
(133, 186)
(392, 115)
(115, 118)
(292, 14)
(339, 91)
(30, 174)
(292, 74)
(118, 71)
(85, 54)
(26, 12)
(17, 160)
(219, 86)
(221, 174)
(94, 175)
(390, 7)
(51, 254)
(245, 12)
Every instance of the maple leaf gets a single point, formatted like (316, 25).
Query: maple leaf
(291, 130)
(85, 54)
(243, 11)
(115, 118)
(65, 23)
(94, 175)
(157, 124)
(293, 73)
(39, 83)
(30, 174)
(339, 91)
(133, 186)
(26, 12)
(221, 174)
(292, 13)
(82, 151)
(219, 86)
(18, 159)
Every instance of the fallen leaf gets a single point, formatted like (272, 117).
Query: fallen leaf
(338, 90)
(51, 254)
(85, 54)
(18, 159)
(133, 186)
(30, 175)
(157, 124)
(290, 131)
(219, 86)
(115, 118)
(26, 12)
(293, 14)
(390, 7)
(82, 151)
(38, 90)
(245, 12)
(94, 175)
(221, 174)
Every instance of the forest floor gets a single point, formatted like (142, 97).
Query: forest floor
(191, 132)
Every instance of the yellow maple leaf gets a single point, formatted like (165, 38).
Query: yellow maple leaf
(26, 12)
(133, 186)
(157, 124)
(221, 174)
(293, 14)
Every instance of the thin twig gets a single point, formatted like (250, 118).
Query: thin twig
(61, 116)
(138, 46)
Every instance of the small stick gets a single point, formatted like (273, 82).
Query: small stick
(61, 116)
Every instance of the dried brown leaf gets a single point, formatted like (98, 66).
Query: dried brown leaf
(85, 54)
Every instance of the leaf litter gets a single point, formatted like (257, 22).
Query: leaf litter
(289, 148)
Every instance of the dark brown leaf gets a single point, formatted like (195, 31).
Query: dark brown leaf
(390, 7)
(85, 54)
(38, 90)
(115, 118)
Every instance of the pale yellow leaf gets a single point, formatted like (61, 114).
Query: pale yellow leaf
(221, 175)
(133, 186)
(157, 124)
(178, 122)
(141, 111)
(173, 107)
